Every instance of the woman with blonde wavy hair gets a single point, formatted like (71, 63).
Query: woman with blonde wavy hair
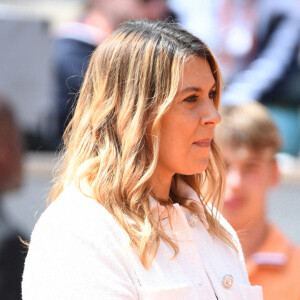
(134, 210)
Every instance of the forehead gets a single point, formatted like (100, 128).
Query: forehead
(196, 73)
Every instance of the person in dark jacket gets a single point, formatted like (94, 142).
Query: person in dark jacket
(12, 252)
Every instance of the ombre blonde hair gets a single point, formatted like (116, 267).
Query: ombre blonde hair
(112, 142)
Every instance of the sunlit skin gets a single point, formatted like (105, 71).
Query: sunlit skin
(188, 127)
(249, 177)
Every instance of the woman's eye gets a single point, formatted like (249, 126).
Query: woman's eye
(212, 95)
(191, 99)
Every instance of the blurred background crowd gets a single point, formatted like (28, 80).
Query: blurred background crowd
(45, 49)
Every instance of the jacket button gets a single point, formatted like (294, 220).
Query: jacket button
(227, 281)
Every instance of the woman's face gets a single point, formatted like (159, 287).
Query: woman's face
(188, 126)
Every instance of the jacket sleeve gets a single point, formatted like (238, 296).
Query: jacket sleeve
(78, 255)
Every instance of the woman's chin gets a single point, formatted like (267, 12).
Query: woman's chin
(196, 169)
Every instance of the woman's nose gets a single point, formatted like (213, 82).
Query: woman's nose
(211, 117)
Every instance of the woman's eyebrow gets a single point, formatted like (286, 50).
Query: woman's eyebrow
(195, 89)
(191, 89)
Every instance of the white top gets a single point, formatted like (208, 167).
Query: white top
(78, 251)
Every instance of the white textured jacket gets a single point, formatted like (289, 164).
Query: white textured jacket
(78, 251)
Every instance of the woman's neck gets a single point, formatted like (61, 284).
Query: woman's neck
(161, 184)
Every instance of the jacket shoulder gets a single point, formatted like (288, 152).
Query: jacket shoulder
(75, 213)
(77, 251)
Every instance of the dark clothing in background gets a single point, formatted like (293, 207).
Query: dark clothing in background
(286, 90)
(12, 257)
(71, 59)
(267, 72)
(12, 251)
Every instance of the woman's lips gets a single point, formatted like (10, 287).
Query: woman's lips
(203, 143)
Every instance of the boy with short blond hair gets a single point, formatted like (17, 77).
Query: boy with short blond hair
(249, 141)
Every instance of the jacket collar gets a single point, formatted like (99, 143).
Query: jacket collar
(184, 190)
